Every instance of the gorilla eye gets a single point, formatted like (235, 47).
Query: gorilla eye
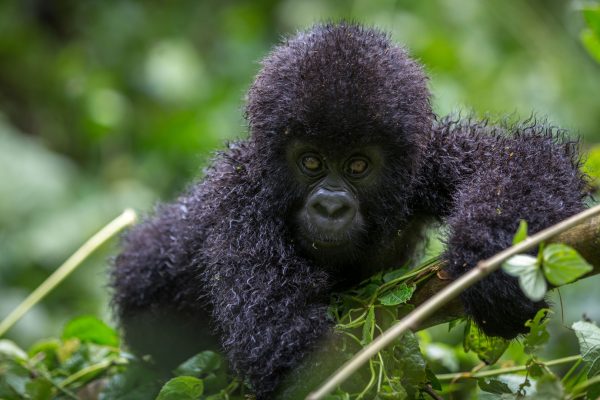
(357, 167)
(311, 164)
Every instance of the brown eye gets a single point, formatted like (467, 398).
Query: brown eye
(312, 164)
(357, 167)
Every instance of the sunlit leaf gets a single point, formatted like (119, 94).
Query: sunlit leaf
(531, 278)
(519, 264)
(521, 232)
(591, 14)
(562, 264)
(91, 329)
(10, 349)
(592, 162)
(533, 284)
(591, 42)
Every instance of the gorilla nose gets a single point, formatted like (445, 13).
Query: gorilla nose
(331, 210)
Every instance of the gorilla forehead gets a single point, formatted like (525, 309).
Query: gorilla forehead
(342, 82)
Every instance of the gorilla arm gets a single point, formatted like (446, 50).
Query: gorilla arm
(154, 297)
(484, 179)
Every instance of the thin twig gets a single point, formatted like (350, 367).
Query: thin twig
(429, 390)
(128, 217)
(421, 313)
(501, 371)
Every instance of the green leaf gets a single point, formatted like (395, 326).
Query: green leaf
(369, 326)
(531, 278)
(14, 376)
(10, 349)
(592, 162)
(493, 386)
(410, 364)
(521, 233)
(562, 264)
(399, 295)
(533, 284)
(488, 349)
(139, 381)
(208, 366)
(591, 14)
(452, 324)
(591, 42)
(433, 380)
(519, 264)
(588, 335)
(538, 333)
(182, 388)
(201, 363)
(39, 389)
(90, 329)
(50, 349)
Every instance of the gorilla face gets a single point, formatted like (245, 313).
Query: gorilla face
(330, 219)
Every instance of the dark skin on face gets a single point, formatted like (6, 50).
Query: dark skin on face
(330, 220)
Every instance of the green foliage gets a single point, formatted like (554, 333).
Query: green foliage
(128, 100)
(397, 296)
(563, 265)
(556, 263)
(531, 278)
(588, 335)
(182, 388)
(86, 358)
(90, 329)
(488, 349)
(521, 233)
(592, 163)
(538, 331)
(58, 369)
(493, 386)
(590, 37)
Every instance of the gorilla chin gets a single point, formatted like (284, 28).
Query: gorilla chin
(329, 245)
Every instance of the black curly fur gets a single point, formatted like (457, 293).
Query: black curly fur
(226, 248)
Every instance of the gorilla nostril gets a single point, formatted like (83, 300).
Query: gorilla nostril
(340, 211)
(328, 208)
(331, 206)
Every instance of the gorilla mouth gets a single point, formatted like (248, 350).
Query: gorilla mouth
(319, 242)
(328, 243)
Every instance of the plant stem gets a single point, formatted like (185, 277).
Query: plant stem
(501, 371)
(428, 308)
(127, 218)
(579, 389)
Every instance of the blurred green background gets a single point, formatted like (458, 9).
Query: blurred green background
(113, 104)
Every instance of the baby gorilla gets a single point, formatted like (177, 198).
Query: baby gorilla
(345, 165)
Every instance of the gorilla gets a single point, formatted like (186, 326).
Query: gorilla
(345, 166)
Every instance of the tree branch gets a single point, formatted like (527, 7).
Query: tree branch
(585, 238)
(452, 289)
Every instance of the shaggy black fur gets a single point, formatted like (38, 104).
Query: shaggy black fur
(223, 259)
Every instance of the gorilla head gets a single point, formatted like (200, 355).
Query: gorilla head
(346, 111)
